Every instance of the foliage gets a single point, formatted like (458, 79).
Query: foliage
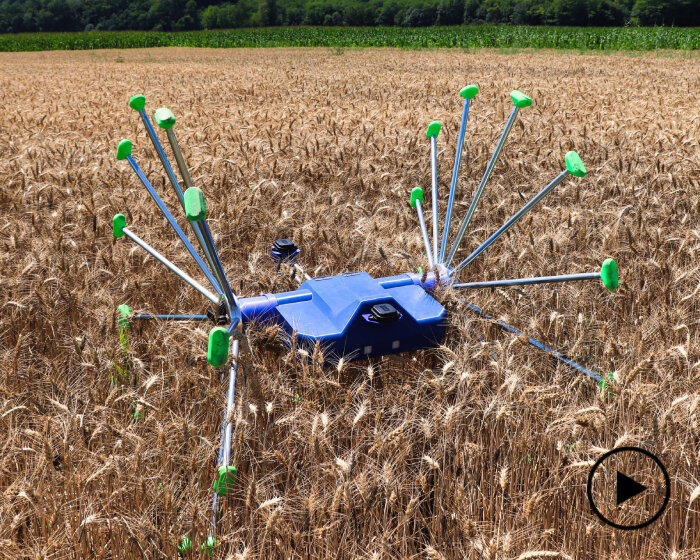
(229, 15)
(179, 15)
(595, 38)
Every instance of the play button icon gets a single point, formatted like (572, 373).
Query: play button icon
(628, 488)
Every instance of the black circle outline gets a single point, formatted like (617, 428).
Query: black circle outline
(589, 488)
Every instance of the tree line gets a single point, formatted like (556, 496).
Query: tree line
(18, 16)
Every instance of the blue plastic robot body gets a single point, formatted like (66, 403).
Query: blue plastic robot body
(354, 315)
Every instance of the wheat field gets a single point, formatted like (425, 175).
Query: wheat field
(478, 449)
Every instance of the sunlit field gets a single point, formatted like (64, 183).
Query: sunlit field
(478, 449)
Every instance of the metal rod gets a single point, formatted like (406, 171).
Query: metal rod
(174, 224)
(300, 270)
(171, 266)
(505, 227)
(453, 184)
(163, 158)
(149, 317)
(480, 189)
(526, 281)
(424, 231)
(226, 428)
(171, 176)
(207, 240)
(230, 397)
(182, 166)
(232, 303)
(532, 341)
(433, 168)
(202, 229)
(184, 171)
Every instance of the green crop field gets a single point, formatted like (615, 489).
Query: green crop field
(586, 38)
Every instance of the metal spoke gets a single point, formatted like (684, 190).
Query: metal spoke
(171, 266)
(416, 199)
(510, 223)
(468, 93)
(527, 281)
(137, 103)
(520, 100)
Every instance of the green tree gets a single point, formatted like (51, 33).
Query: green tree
(386, 14)
(472, 11)
(357, 14)
(649, 12)
(570, 12)
(333, 20)
(449, 12)
(228, 16)
(164, 13)
(97, 11)
(606, 12)
(12, 16)
(316, 12)
(268, 12)
(66, 15)
(666, 12)
(189, 19)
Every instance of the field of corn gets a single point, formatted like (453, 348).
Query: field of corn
(477, 36)
(479, 449)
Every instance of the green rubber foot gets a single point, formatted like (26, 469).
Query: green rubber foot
(194, 204)
(226, 480)
(165, 118)
(416, 194)
(118, 225)
(520, 100)
(124, 314)
(574, 164)
(608, 274)
(185, 545)
(124, 149)
(137, 103)
(469, 92)
(433, 129)
(604, 385)
(217, 351)
(208, 546)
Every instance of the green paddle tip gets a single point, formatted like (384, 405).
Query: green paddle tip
(469, 92)
(137, 102)
(124, 149)
(118, 225)
(433, 130)
(608, 274)
(124, 314)
(226, 480)
(208, 546)
(217, 350)
(185, 545)
(520, 100)
(575, 165)
(194, 204)
(165, 118)
(605, 385)
(416, 194)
